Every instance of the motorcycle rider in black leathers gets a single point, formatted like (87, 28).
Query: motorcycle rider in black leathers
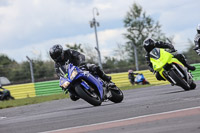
(149, 44)
(197, 40)
(131, 76)
(61, 56)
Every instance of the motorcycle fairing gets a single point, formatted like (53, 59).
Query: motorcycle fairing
(164, 58)
(96, 82)
(62, 80)
(139, 78)
(82, 75)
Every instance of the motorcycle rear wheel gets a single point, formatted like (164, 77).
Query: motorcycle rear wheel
(117, 95)
(90, 97)
(192, 86)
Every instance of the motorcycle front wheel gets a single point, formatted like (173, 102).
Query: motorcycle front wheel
(90, 97)
(180, 82)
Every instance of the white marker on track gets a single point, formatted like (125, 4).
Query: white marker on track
(2, 118)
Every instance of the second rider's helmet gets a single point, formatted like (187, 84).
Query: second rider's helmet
(56, 52)
(149, 44)
(130, 71)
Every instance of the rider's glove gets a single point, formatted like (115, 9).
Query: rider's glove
(171, 47)
(198, 51)
(83, 66)
(173, 50)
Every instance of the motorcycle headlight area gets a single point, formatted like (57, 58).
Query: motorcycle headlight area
(73, 75)
(66, 84)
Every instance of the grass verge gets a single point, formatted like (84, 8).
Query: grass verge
(40, 99)
(31, 100)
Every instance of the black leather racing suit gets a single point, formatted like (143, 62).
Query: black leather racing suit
(78, 59)
(131, 77)
(161, 44)
(2, 94)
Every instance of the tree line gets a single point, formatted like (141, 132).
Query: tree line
(138, 26)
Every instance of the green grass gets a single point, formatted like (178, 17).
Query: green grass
(40, 99)
(31, 100)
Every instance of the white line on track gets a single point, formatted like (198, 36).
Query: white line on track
(150, 115)
(2, 118)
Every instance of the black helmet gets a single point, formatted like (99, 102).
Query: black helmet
(56, 52)
(148, 44)
(198, 28)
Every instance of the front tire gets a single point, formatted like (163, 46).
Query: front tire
(180, 82)
(90, 97)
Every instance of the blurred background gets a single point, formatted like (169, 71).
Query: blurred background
(116, 28)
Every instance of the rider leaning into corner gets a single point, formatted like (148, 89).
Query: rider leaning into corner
(149, 44)
(197, 40)
(61, 56)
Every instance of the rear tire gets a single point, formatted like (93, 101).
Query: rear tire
(180, 82)
(117, 95)
(192, 86)
(89, 97)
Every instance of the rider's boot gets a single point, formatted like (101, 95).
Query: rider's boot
(192, 68)
(108, 81)
(106, 77)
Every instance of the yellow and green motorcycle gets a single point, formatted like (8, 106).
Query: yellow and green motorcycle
(171, 69)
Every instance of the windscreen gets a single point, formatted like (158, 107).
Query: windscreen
(155, 53)
(63, 70)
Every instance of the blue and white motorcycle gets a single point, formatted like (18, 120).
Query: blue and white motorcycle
(90, 88)
(140, 79)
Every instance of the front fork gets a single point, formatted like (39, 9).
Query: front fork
(165, 74)
(186, 75)
(169, 78)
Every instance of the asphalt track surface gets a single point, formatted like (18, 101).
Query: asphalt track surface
(156, 109)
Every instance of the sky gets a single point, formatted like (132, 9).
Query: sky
(31, 27)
